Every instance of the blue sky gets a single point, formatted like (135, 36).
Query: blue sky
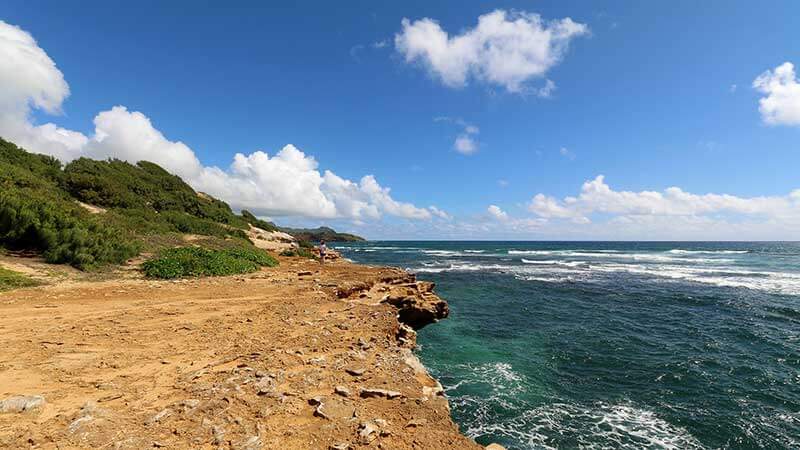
(649, 95)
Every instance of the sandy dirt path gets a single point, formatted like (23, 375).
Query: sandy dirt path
(274, 360)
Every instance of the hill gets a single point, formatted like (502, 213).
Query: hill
(321, 233)
(92, 213)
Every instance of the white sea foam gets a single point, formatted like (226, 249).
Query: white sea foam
(551, 262)
(460, 268)
(474, 251)
(678, 251)
(598, 425)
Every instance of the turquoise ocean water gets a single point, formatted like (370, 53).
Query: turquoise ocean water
(613, 345)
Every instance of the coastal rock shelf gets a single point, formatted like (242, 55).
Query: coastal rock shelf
(300, 356)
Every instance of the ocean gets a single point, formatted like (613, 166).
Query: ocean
(613, 344)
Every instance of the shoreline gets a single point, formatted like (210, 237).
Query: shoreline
(298, 356)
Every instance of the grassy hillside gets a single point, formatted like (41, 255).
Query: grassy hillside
(144, 207)
(321, 233)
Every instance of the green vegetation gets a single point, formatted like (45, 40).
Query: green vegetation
(195, 262)
(144, 207)
(36, 214)
(301, 252)
(13, 280)
(321, 233)
(256, 222)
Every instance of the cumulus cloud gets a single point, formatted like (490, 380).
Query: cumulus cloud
(288, 183)
(505, 48)
(30, 79)
(465, 142)
(781, 105)
(598, 197)
(497, 213)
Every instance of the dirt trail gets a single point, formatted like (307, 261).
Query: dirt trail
(297, 356)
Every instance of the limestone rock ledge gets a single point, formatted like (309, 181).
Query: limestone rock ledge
(300, 356)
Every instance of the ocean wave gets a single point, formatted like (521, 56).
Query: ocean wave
(551, 262)
(459, 268)
(678, 251)
(607, 255)
(474, 251)
(562, 424)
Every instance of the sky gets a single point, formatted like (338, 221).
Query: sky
(559, 120)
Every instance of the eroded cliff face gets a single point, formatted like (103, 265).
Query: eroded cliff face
(302, 356)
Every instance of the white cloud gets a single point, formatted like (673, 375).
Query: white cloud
(781, 106)
(380, 44)
(465, 145)
(597, 197)
(30, 79)
(465, 142)
(566, 153)
(505, 48)
(502, 183)
(497, 213)
(547, 90)
(286, 184)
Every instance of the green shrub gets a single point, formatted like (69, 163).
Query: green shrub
(196, 262)
(13, 280)
(256, 222)
(61, 231)
(299, 252)
(145, 185)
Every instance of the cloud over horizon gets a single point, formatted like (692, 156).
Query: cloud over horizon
(505, 49)
(672, 209)
(288, 183)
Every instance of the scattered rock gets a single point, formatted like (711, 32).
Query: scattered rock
(264, 386)
(251, 443)
(375, 393)
(356, 372)
(314, 401)
(319, 412)
(341, 390)
(218, 434)
(367, 432)
(304, 273)
(340, 446)
(163, 414)
(414, 423)
(495, 447)
(108, 398)
(21, 403)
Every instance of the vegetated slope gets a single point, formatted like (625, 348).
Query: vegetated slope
(144, 207)
(36, 213)
(322, 233)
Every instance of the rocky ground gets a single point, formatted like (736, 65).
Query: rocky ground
(300, 356)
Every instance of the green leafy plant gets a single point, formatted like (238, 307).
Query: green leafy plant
(196, 262)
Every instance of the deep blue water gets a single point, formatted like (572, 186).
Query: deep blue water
(613, 345)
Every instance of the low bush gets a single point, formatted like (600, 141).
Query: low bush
(13, 280)
(299, 252)
(197, 262)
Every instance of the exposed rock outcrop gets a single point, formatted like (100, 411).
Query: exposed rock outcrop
(417, 304)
